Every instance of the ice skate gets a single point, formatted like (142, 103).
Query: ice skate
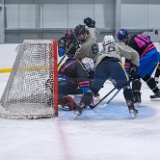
(133, 113)
(155, 97)
(132, 109)
(78, 110)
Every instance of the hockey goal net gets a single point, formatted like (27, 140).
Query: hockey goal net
(32, 87)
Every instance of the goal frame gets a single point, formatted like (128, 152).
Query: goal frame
(25, 102)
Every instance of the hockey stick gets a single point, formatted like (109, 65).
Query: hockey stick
(72, 45)
(113, 97)
(92, 107)
(62, 59)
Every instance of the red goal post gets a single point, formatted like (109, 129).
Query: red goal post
(56, 78)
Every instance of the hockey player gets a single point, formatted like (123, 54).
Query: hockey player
(109, 67)
(73, 79)
(149, 58)
(88, 40)
(157, 73)
(65, 44)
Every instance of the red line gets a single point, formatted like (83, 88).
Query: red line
(64, 145)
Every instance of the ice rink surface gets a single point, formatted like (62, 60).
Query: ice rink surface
(100, 134)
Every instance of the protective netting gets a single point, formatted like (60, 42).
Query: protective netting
(27, 94)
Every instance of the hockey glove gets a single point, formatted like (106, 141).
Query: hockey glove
(89, 22)
(61, 52)
(133, 72)
(76, 43)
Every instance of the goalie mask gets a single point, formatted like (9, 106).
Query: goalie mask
(108, 39)
(88, 63)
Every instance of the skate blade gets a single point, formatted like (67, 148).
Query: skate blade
(134, 116)
(75, 116)
(138, 104)
(155, 99)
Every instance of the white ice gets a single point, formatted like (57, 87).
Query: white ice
(101, 134)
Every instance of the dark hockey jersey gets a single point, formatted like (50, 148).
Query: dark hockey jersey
(75, 72)
(63, 44)
(141, 43)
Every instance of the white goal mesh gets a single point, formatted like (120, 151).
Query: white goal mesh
(28, 93)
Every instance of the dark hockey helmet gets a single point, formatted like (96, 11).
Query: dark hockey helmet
(122, 33)
(61, 43)
(79, 30)
(69, 34)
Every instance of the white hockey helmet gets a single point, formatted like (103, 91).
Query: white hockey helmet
(88, 63)
(108, 39)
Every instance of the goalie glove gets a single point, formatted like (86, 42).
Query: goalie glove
(89, 22)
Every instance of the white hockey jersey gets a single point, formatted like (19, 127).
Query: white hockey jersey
(119, 50)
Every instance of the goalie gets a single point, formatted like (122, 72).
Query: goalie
(67, 45)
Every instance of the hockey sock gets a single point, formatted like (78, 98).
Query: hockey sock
(87, 98)
(127, 92)
(136, 85)
(151, 83)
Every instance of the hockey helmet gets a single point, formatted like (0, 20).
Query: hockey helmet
(88, 63)
(69, 34)
(122, 33)
(61, 43)
(108, 39)
(79, 30)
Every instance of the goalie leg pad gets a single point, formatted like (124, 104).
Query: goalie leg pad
(67, 101)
